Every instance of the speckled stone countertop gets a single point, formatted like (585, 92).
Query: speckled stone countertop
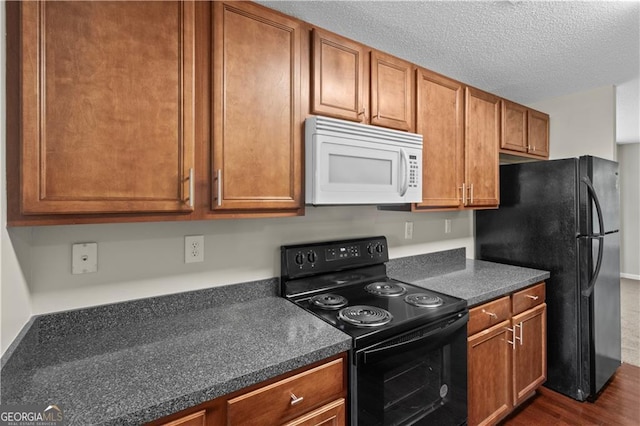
(451, 273)
(133, 362)
(137, 361)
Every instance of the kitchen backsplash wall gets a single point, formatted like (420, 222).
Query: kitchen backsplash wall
(147, 259)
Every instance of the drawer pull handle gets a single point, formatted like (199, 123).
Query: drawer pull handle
(532, 297)
(296, 400)
(491, 314)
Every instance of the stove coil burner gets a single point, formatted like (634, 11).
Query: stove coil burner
(386, 289)
(365, 316)
(329, 301)
(423, 300)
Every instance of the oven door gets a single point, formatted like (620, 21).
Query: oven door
(418, 377)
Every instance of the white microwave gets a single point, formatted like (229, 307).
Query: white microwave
(353, 163)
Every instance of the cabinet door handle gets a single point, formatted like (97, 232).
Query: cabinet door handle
(532, 297)
(192, 187)
(471, 193)
(295, 399)
(219, 185)
(463, 189)
(512, 342)
(520, 333)
(491, 314)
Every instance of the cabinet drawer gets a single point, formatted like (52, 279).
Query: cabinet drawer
(488, 315)
(195, 419)
(288, 398)
(528, 298)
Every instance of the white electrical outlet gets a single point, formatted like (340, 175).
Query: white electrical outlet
(84, 258)
(408, 230)
(193, 248)
(447, 226)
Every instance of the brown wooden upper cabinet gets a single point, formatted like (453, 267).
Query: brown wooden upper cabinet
(256, 118)
(461, 136)
(525, 132)
(538, 132)
(481, 142)
(440, 121)
(106, 107)
(338, 77)
(353, 82)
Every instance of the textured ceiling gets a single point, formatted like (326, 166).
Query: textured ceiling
(525, 51)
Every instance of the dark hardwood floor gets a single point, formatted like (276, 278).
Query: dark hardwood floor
(619, 404)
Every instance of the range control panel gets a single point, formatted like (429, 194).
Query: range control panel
(315, 258)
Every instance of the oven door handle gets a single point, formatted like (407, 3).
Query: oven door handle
(429, 340)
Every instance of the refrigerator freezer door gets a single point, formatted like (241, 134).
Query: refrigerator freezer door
(604, 177)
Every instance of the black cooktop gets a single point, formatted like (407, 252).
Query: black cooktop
(345, 284)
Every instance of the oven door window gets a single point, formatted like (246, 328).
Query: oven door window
(418, 378)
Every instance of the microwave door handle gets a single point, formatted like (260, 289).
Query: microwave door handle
(404, 163)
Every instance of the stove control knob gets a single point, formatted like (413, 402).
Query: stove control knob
(299, 259)
(312, 256)
(371, 248)
(379, 248)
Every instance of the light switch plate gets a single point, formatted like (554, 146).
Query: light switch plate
(84, 258)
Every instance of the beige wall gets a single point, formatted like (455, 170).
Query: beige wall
(629, 158)
(582, 123)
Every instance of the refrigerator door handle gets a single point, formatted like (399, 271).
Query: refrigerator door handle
(592, 193)
(594, 197)
(587, 291)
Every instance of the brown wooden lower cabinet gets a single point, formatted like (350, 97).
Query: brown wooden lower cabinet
(311, 396)
(506, 353)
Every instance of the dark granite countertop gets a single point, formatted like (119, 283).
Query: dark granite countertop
(451, 273)
(138, 361)
(133, 362)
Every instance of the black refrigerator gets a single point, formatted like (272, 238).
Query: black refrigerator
(563, 216)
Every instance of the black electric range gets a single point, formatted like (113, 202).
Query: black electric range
(409, 343)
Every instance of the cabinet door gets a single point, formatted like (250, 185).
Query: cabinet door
(530, 355)
(514, 127)
(439, 119)
(107, 107)
(330, 415)
(338, 80)
(538, 133)
(195, 419)
(489, 375)
(392, 88)
(482, 142)
(257, 151)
